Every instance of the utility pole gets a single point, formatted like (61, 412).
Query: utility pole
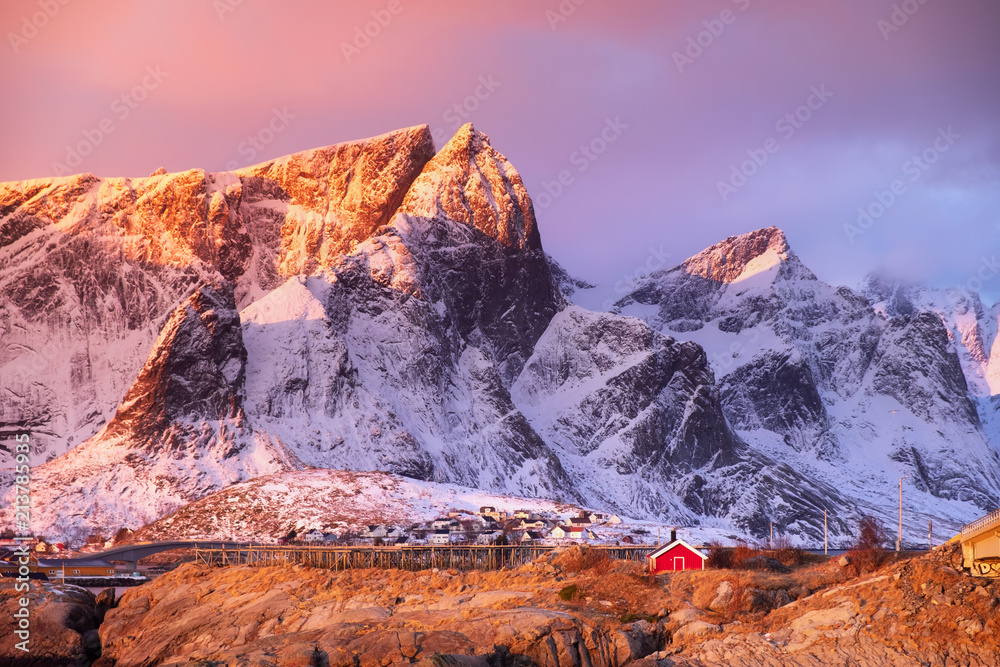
(930, 541)
(825, 545)
(772, 535)
(899, 540)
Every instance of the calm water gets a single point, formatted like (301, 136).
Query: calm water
(118, 589)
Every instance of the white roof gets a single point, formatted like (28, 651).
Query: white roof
(667, 547)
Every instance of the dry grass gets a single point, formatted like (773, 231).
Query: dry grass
(739, 599)
(580, 559)
(746, 557)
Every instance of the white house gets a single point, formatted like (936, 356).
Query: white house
(570, 532)
(313, 536)
(489, 537)
(439, 536)
(373, 532)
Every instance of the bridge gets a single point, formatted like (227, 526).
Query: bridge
(981, 545)
(132, 553)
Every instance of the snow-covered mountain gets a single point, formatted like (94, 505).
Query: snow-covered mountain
(90, 268)
(180, 432)
(970, 326)
(396, 312)
(847, 393)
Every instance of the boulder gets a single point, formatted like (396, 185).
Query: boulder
(971, 627)
(696, 629)
(684, 615)
(63, 623)
(723, 597)
(765, 564)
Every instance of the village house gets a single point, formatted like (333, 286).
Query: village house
(497, 515)
(530, 536)
(571, 533)
(531, 523)
(314, 536)
(580, 521)
(381, 534)
(374, 532)
(439, 536)
(675, 556)
(52, 569)
(488, 537)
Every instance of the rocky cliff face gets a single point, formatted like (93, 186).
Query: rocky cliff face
(196, 371)
(91, 267)
(181, 431)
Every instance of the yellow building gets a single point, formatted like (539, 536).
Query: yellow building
(981, 546)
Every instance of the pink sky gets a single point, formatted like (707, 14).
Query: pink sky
(546, 88)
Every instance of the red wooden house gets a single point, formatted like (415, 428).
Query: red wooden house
(675, 556)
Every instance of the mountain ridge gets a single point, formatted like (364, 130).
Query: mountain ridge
(436, 340)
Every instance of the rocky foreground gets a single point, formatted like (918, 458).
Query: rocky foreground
(572, 609)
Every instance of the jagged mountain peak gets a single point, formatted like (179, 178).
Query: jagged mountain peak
(336, 197)
(180, 432)
(195, 371)
(470, 182)
(739, 257)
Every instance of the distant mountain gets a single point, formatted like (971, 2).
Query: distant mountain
(377, 306)
(851, 389)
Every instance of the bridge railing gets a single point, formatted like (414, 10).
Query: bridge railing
(980, 523)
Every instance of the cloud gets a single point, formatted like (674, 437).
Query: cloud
(656, 184)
